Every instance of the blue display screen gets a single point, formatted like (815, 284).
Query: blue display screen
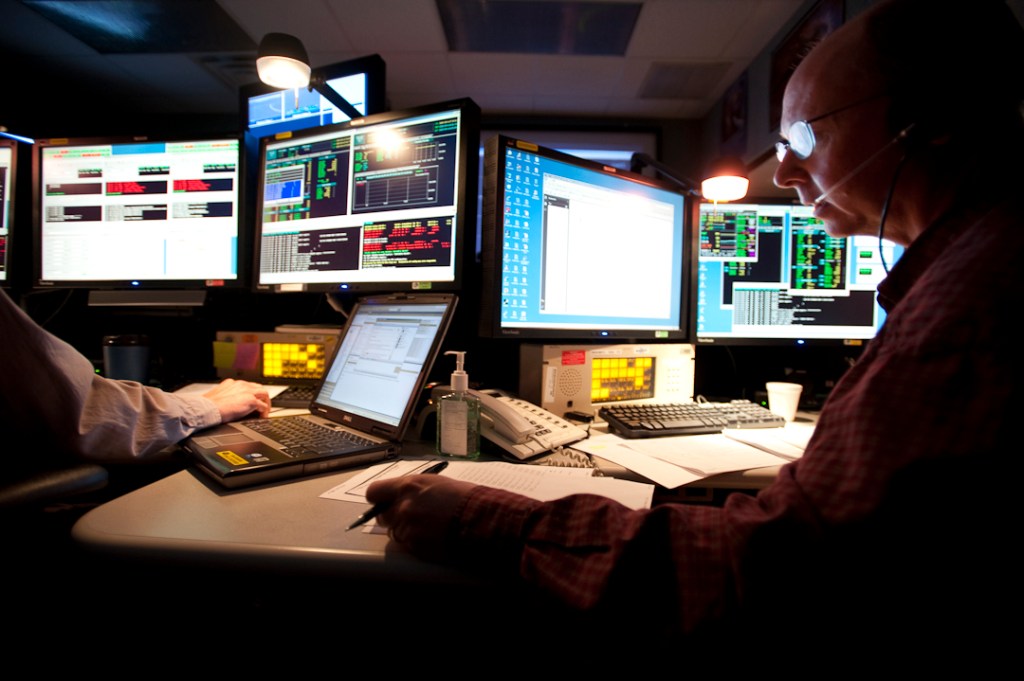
(773, 273)
(587, 248)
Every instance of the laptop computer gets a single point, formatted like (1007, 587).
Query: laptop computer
(367, 397)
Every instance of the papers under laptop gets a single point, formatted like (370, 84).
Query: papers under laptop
(364, 404)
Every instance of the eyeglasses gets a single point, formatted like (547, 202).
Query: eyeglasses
(801, 136)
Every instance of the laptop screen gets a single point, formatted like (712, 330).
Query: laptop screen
(387, 350)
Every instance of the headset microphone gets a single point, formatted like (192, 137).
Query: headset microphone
(870, 159)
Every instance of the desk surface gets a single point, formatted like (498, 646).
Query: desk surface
(279, 526)
(285, 525)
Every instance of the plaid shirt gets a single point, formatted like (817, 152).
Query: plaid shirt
(868, 515)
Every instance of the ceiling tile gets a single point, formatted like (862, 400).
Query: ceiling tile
(576, 75)
(765, 19)
(163, 76)
(494, 73)
(419, 72)
(678, 80)
(497, 102)
(572, 104)
(390, 25)
(409, 36)
(538, 26)
(146, 26)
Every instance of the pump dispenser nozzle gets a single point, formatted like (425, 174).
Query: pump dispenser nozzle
(460, 379)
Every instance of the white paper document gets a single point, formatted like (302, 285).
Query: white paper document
(788, 442)
(543, 483)
(678, 460)
(272, 390)
(200, 388)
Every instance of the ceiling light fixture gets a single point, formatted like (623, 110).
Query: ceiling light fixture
(282, 62)
(726, 179)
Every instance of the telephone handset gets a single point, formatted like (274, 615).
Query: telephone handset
(522, 429)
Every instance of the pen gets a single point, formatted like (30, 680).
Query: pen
(378, 508)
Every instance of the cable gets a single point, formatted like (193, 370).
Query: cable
(885, 212)
(336, 305)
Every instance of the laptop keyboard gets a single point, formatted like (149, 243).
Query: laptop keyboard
(301, 437)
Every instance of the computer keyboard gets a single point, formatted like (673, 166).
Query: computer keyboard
(299, 436)
(294, 397)
(687, 418)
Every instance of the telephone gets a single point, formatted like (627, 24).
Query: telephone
(522, 429)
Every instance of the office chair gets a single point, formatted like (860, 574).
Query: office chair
(37, 511)
(40, 488)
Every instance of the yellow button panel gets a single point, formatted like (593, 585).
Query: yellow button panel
(294, 360)
(621, 378)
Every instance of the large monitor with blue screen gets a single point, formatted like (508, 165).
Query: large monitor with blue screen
(380, 203)
(8, 165)
(770, 273)
(137, 213)
(573, 249)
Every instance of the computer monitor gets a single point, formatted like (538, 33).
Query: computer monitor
(137, 213)
(770, 273)
(8, 172)
(381, 203)
(574, 250)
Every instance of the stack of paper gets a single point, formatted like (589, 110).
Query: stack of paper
(675, 461)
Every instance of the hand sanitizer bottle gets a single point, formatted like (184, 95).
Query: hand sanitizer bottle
(458, 415)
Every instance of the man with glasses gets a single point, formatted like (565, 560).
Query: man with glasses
(893, 535)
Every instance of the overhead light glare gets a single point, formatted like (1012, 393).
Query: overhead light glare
(726, 180)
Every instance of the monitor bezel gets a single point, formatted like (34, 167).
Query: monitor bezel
(752, 341)
(242, 246)
(492, 226)
(466, 203)
(10, 196)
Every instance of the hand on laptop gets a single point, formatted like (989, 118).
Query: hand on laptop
(236, 399)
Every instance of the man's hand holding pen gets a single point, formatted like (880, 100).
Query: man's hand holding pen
(418, 509)
(378, 508)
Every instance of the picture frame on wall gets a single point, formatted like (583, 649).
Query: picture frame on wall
(734, 109)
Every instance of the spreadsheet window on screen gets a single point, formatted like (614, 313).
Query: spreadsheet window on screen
(773, 273)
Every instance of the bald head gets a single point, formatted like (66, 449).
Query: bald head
(908, 101)
(840, 70)
(947, 68)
